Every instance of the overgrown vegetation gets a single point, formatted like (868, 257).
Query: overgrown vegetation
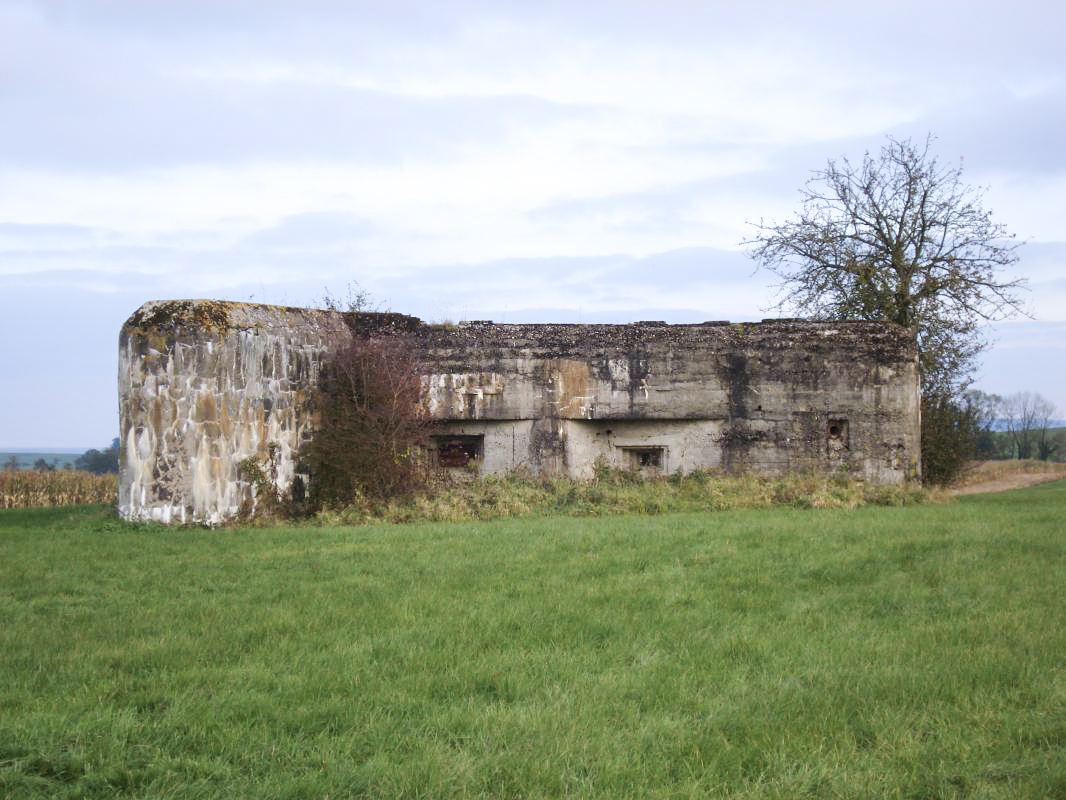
(268, 501)
(950, 433)
(371, 422)
(614, 492)
(881, 652)
(23, 488)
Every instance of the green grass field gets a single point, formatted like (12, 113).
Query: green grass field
(915, 652)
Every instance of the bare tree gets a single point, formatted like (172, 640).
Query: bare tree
(898, 238)
(1028, 417)
(986, 409)
(357, 300)
(986, 406)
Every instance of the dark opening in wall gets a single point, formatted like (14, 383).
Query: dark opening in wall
(646, 458)
(459, 450)
(836, 434)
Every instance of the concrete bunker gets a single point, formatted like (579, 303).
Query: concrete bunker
(204, 385)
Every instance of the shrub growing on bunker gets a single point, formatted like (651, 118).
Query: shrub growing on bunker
(372, 421)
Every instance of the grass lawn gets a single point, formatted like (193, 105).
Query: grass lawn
(914, 652)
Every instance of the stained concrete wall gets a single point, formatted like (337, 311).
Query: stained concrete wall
(204, 385)
(773, 397)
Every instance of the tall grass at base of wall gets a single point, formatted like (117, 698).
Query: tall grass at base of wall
(615, 491)
(25, 488)
(519, 494)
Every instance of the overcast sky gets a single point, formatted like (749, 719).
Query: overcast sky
(523, 161)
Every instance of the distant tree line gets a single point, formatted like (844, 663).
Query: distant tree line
(98, 462)
(1016, 426)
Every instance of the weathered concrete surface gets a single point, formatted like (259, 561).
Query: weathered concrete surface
(772, 397)
(204, 385)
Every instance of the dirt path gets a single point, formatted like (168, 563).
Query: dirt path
(981, 482)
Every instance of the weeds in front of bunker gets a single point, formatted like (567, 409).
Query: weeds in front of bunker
(616, 491)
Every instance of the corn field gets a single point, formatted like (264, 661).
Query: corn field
(24, 488)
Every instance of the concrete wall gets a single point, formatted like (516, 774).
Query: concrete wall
(772, 397)
(204, 385)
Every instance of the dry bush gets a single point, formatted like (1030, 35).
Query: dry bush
(373, 423)
(23, 488)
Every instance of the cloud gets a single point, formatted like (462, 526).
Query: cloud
(686, 268)
(134, 123)
(312, 230)
(1020, 334)
(1019, 358)
(47, 233)
(229, 83)
(996, 129)
(697, 283)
